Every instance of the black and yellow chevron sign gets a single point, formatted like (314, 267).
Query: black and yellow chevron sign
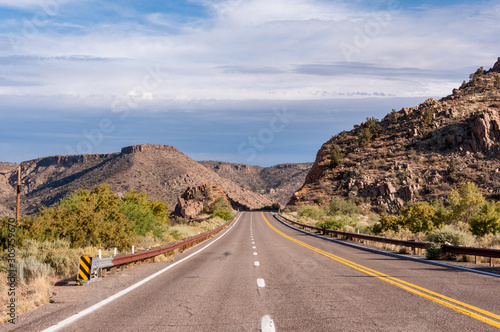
(84, 270)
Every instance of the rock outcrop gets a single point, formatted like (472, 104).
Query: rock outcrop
(417, 153)
(198, 199)
(147, 147)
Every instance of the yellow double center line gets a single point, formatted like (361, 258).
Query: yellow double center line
(459, 306)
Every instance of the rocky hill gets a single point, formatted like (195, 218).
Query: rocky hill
(416, 153)
(277, 183)
(160, 170)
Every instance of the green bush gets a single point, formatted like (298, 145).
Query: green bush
(312, 212)
(86, 218)
(434, 251)
(224, 214)
(487, 220)
(465, 202)
(334, 222)
(387, 222)
(342, 206)
(219, 204)
(419, 217)
(146, 215)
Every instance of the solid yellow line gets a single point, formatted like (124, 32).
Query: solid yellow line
(400, 283)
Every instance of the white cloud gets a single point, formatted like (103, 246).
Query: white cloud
(251, 50)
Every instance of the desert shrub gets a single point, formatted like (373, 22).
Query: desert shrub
(487, 220)
(489, 241)
(348, 229)
(341, 206)
(211, 223)
(29, 269)
(451, 235)
(334, 222)
(312, 212)
(219, 204)
(221, 213)
(62, 259)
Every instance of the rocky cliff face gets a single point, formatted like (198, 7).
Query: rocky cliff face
(148, 147)
(416, 153)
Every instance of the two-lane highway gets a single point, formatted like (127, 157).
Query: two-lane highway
(263, 275)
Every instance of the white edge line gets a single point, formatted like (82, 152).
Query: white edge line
(267, 324)
(98, 305)
(425, 261)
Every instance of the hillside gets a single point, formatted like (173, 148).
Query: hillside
(416, 153)
(160, 170)
(277, 183)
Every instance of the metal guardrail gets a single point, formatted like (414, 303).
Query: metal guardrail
(101, 265)
(478, 252)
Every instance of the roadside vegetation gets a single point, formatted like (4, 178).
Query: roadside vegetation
(466, 218)
(49, 244)
(339, 214)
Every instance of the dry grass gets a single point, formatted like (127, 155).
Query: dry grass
(33, 287)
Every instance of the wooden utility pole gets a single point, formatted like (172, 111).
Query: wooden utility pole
(18, 209)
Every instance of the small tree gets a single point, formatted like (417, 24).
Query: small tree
(374, 126)
(465, 202)
(487, 220)
(394, 116)
(428, 117)
(365, 137)
(336, 156)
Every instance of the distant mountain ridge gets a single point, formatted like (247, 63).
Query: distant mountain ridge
(277, 182)
(416, 153)
(160, 170)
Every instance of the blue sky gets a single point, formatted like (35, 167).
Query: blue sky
(248, 81)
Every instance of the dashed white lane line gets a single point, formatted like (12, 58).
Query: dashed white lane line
(256, 263)
(253, 242)
(261, 283)
(255, 254)
(254, 247)
(267, 324)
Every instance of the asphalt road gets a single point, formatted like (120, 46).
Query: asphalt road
(263, 275)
